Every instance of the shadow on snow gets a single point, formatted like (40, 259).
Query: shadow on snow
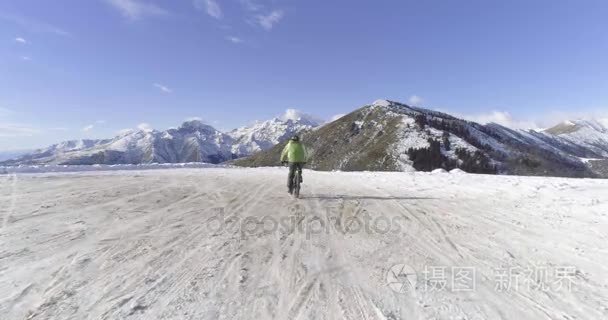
(344, 197)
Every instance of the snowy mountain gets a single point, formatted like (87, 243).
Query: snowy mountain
(12, 154)
(264, 135)
(592, 134)
(193, 141)
(56, 151)
(382, 136)
(388, 135)
(72, 145)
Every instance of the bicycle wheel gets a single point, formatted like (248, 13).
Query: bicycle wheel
(296, 184)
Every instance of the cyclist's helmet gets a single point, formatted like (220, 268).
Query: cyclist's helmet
(295, 138)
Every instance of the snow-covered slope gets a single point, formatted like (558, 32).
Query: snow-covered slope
(231, 244)
(13, 154)
(57, 151)
(193, 141)
(264, 135)
(592, 134)
(384, 135)
(388, 135)
(72, 145)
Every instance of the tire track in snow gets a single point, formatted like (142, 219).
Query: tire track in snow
(228, 279)
(167, 264)
(320, 293)
(13, 199)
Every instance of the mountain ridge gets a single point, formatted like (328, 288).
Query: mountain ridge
(399, 137)
(384, 135)
(192, 141)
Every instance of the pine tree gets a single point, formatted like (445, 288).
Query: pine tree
(446, 140)
(420, 120)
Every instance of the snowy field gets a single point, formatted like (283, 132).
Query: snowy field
(229, 243)
(46, 168)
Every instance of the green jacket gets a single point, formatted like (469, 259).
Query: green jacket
(294, 152)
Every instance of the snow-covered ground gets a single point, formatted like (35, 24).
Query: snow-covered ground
(229, 243)
(46, 168)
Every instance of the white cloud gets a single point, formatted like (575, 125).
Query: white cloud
(144, 127)
(5, 112)
(21, 40)
(251, 5)
(270, 20)
(13, 129)
(163, 88)
(123, 132)
(550, 119)
(33, 25)
(193, 119)
(91, 126)
(26, 58)
(137, 9)
(546, 119)
(336, 117)
(295, 115)
(502, 118)
(292, 114)
(415, 100)
(210, 6)
(17, 130)
(235, 40)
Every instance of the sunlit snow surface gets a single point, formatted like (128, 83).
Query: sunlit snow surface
(230, 243)
(100, 167)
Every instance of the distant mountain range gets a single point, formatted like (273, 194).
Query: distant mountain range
(263, 135)
(193, 141)
(12, 154)
(385, 135)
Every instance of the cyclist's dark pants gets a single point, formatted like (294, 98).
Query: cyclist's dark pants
(293, 166)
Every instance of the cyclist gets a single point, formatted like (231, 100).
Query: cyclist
(295, 155)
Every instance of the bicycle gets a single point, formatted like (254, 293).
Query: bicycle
(297, 180)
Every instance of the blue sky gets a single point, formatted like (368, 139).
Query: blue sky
(77, 69)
